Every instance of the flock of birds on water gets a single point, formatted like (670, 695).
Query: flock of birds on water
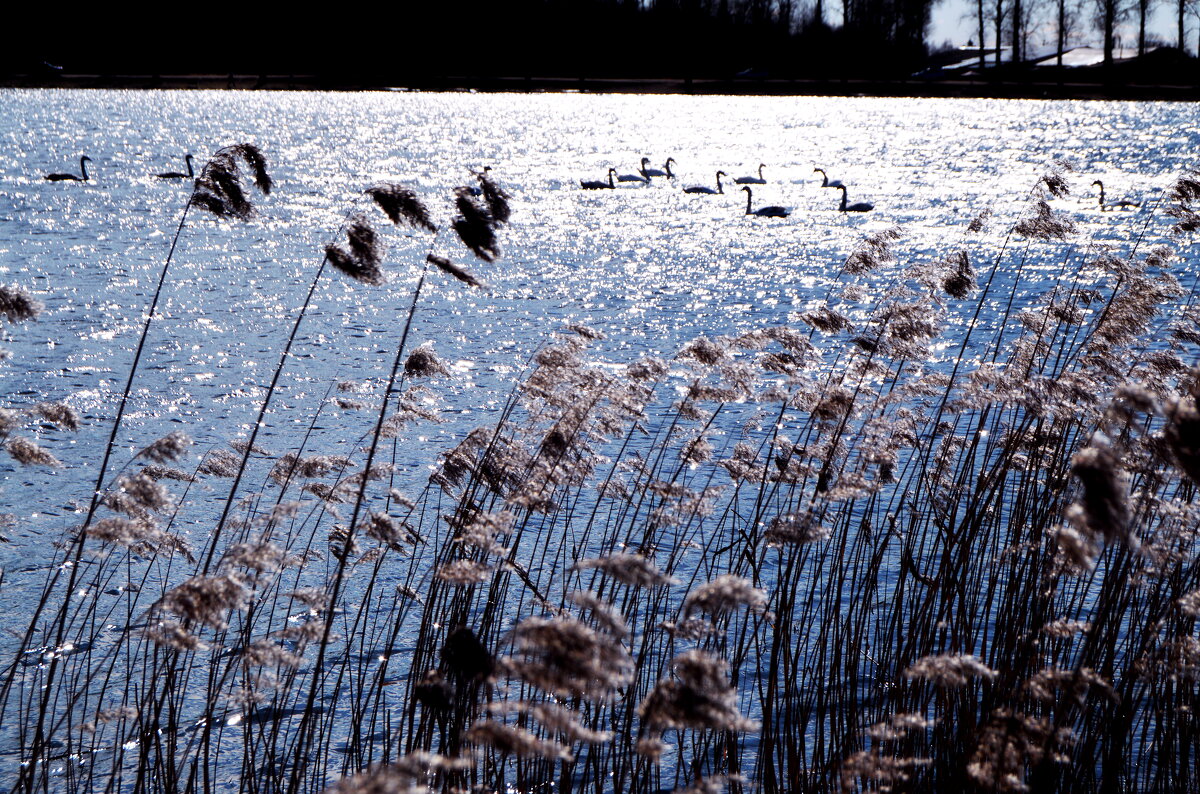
(645, 174)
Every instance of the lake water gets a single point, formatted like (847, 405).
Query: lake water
(648, 266)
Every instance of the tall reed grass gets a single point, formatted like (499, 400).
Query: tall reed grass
(816, 557)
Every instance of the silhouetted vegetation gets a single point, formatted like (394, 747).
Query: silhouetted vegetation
(406, 44)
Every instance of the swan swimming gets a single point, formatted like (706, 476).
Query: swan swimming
(860, 206)
(176, 174)
(825, 181)
(752, 180)
(596, 184)
(1123, 204)
(707, 190)
(71, 177)
(640, 177)
(649, 172)
(765, 212)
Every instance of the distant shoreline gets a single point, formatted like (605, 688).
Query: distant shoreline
(916, 88)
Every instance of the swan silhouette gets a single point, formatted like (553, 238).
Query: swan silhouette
(825, 179)
(655, 172)
(596, 184)
(707, 190)
(860, 206)
(176, 174)
(640, 177)
(765, 212)
(71, 177)
(752, 180)
(1123, 204)
(649, 172)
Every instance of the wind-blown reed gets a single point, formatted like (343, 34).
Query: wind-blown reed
(819, 556)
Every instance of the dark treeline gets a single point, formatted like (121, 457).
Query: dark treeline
(573, 38)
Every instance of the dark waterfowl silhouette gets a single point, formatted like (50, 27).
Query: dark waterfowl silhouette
(650, 172)
(1123, 204)
(595, 184)
(176, 174)
(658, 171)
(752, 180)
(640, 177)
(860, 206)
(765, 212)
(72, 177)
(707, 190)
(825, 180)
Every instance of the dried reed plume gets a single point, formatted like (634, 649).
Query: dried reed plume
(949, 670)
(462, 274)
(361, 262)
(1105, 507)
(29, 453)
(725, 594)
(17, 305)
(424, 363)
(699, 697)
(510, 740)
(565, 657)
(475, 226)
(494, 196)
(631, 569)
(401, 205)
(218, 188)
(1045, 225)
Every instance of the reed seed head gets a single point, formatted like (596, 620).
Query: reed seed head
(462, 274)
(631, 569)
(424, 363)
(699, 697)
(29, 453)
(949, 670)
(17, 305)
(401, 205)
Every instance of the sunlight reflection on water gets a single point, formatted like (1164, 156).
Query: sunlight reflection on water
(649, 266)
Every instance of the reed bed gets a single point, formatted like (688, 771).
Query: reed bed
(825, 556)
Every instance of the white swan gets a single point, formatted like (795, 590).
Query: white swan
(594, 184)
(765, 212)
(71, 177)
(752, 180)
(825, 181)
(860, 206)
(707, 190)
(176, 174)
(1123, 204)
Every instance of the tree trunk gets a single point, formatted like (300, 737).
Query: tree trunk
(979, 10)
(1143, 9)
(1180, 7)
(1016, 29)
(999, 28)
(1110, 13)
(1062, 29)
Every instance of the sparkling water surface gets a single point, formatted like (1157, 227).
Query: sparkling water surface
(649, 266)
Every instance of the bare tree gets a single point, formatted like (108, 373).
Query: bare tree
(1143, 11)
(1183, 9)
(1108, 14)
(1068, 14)
(997, 12)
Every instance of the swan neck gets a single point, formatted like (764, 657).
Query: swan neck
(83, 167)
